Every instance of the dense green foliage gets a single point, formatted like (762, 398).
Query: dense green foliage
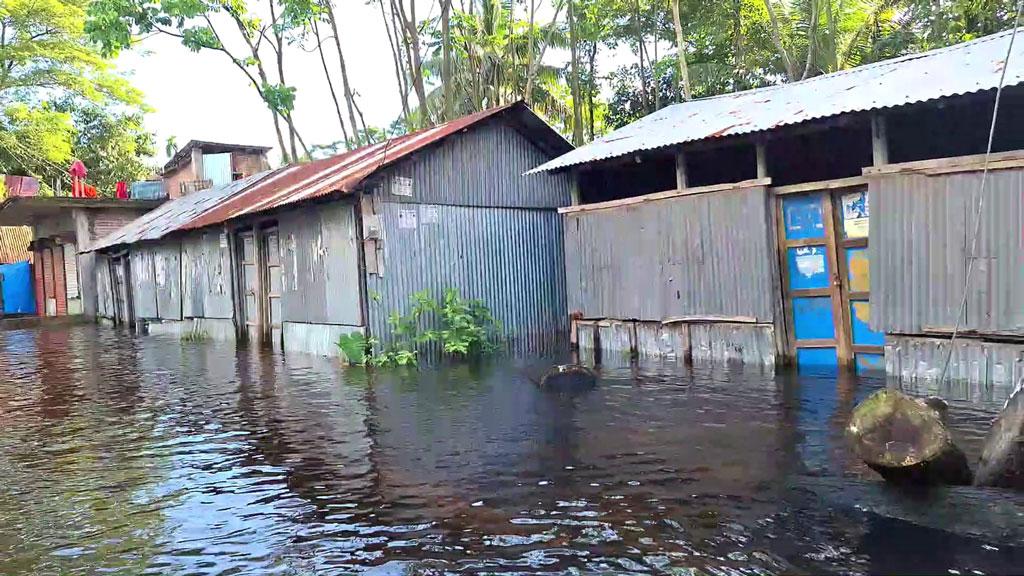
(59, 99)
(463, 329)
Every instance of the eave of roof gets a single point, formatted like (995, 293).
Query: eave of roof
(960, 69)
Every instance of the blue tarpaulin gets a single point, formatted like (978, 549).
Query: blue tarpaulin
(16, 284)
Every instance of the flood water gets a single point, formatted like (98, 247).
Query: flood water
(150, 455)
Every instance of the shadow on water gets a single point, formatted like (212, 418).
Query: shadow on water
(153, 455)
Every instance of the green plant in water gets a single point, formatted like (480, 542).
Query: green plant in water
(355, 348)
(467, 326)
(195, 336)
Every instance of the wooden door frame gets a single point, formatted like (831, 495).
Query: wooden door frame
(834, 291)
(263, 272)
(848, 296)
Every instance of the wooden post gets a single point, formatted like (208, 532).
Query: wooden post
(681, 181)
(762, 160)
(574, 186)
(879, 141)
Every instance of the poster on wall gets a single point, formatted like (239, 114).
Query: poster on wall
(407, 219)
(855, 214)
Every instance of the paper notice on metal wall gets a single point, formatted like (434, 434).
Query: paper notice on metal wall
(855, 214)
(428, 214)
(401, 186)
(223, 239)
(407, 219)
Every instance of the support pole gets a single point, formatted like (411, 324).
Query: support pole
(879, 141)
(574, 187)
(681, 181)
(762, 160)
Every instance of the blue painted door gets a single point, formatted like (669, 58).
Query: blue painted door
(824, 241)
(812, 288)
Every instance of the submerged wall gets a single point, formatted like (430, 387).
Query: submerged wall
(702, 259)
(462, 215)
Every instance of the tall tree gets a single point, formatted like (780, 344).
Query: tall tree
(574, 81)
(684, 74)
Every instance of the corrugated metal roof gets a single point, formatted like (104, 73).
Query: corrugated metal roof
(955, 70)
(172, 215)
(14, 241)
(345, 172)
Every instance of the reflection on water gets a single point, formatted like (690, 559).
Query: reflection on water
(152, 455)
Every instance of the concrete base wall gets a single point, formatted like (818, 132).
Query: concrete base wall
(974, 361)
(318, 339)
(219, 329)
(752, 344)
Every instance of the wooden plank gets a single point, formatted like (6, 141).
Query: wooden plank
(1011, 159)
(713, 318)
(611, 204)
(805, 242)
(808, 292)
(775, 253)
(787, 302)
(839, 316)
(865, 349)
(818, 343)
(820, 185)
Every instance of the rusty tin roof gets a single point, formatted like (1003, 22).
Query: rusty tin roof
(955, 70)
(343, 173)
(346, 172)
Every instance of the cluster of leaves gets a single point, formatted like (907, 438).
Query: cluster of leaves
(464, 328)
(60, 100)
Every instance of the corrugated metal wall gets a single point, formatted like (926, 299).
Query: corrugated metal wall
(700, 255)
(156, 281)
(920, 239)
(320, 265)
(482, 167)
(104, 287)
(509, 258)
(206, 275)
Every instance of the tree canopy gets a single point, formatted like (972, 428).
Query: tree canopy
(60, 100)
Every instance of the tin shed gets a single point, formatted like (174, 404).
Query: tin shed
(298, 256)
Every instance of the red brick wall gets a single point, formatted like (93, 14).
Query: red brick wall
(59, 285)
(39, 287)
(248, 164)
(48, 290)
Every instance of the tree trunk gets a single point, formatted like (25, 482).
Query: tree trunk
(577, 114)
(412, 37)
(330, 84)
(279, 54)
(640, 52)
(591, 88)
(737, 46)
(528, 85)
(684, 73)
(1002, 458)
(812, 38)
(787, 62)
(446, 60)
(345, 86)
(906, 441)
(396, 56)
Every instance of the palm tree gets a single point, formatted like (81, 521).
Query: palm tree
(170, 146)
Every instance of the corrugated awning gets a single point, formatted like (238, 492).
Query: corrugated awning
(955, 70)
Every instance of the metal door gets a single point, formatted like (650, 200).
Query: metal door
(823, 237)
(272, 277)
(249, 280)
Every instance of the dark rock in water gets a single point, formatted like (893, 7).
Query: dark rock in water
(569, 377)
(906, 440)
(1002, 458)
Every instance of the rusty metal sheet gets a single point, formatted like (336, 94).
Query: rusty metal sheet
(346, 172)
(14, 241)
(955, 70)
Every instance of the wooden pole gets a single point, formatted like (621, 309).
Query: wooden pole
(681, 180)
(762, 160)
(879, 141)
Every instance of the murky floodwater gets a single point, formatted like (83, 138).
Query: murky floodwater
(152, 455)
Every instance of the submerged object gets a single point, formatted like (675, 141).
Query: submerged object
(1002, 458)
(906, 440)
(569, 377)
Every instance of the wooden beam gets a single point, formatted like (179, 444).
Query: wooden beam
(820, 185)
(762, 159)
(879, 141)
(714, 319)
(973, 163)
(681, 181)
(663, 195)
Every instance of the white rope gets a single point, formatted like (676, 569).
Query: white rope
(972, 254)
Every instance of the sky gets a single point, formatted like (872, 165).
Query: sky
(203, 96)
